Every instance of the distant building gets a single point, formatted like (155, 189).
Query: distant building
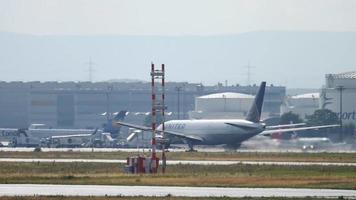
(303, 105)
(340, 86)
(80, 104)
(221, 105)
(229, 105)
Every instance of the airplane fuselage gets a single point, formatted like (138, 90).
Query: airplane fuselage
(216, 131)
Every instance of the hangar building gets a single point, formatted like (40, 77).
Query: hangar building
(79, 104)
(339, 94)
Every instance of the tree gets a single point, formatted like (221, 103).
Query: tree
(348, 131)
(289, 117)
(322, 117)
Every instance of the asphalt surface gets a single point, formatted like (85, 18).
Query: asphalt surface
(100, 190)
(180, 149)
(184, 162)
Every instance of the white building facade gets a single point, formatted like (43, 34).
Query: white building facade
(339, 95)
(227, 105)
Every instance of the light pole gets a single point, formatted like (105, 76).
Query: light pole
(108, 93)
(224, 97)
(341, 88)
(183, 101)
(178, 89)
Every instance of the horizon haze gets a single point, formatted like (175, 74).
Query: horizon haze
(286, 42)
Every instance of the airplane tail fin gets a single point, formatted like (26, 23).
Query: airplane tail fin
(22, 131)
(95, 131)
(254, 114)
(120, 116)
(111, 126)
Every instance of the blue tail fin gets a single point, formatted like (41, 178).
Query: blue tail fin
(254, 114)
(120, 116)
(111, 126)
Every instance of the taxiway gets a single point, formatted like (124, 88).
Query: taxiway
(100, 190)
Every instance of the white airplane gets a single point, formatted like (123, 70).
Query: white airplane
(89, 137)
(231, 132)
(96, 139)
(41, 134)
(37, 134)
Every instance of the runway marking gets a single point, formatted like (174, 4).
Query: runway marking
(183, 162)
(100, 190)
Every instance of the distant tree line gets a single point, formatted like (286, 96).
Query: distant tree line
(322, 117)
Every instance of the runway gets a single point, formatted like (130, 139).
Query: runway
(183, 162)
(100, 190)
(180, 149)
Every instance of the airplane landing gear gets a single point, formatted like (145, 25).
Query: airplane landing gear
(191, 147)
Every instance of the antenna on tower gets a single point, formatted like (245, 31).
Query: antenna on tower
(249, 67)
(90, 69)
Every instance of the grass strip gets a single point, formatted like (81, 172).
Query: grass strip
(239, 175)
(232, 156)
(152, 198)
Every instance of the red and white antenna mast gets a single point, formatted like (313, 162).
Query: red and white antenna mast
(158, 107)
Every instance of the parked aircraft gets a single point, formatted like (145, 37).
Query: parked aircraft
(40, 134)
(98, 138)
(231, 132)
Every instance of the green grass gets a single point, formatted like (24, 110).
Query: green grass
(246, 156)
(182, 175)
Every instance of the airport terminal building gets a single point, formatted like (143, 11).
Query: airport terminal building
(339, 95)
(80, 104)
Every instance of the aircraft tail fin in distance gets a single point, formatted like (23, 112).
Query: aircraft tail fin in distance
(22, 131)
(112, 127)
(120, 116)
(95, 131)
(254, 114)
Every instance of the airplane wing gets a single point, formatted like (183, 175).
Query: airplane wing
(74, 135)
(269, 132)
(246, 126)
(173, 133)
(69, 136)
(143, 128)
(285, 126)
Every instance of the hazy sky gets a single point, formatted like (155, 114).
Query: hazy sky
(178, 18)
(174, 17)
